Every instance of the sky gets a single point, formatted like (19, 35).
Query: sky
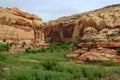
(53, 9)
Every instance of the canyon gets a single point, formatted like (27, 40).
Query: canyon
(95, 34)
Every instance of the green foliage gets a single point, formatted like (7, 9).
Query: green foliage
(52, 48)
(92, 73)
(20, 75)
(57, 48)
(42, 50)
(4, 47)
(37, 75)
(94, 41)
(30, 51)
(109, 63)
(49, 64)
(118, 51)
(53, 65)
(80, 54)
(3, 57)
(119, 32)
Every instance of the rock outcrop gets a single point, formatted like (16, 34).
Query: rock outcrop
(98, 34)
(69, 29)
(17, 27)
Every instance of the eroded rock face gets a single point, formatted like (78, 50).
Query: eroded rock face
(98, 32)
(101, 19)
(97, 45)
(19, 27)
(59, 33)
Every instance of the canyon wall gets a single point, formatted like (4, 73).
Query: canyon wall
(20, 27)
(70, 28)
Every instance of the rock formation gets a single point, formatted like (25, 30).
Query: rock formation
(98, 34)
(19, 27)
(69, 29)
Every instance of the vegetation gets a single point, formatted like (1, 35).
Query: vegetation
(52, 64)
(118, 51)
(4, 47)
(109, 63)
(94, 41)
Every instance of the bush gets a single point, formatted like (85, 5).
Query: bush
(57, 48)
(42, 50)
(20, 75)
(30, 51)
(36, 74)
(51, 75)
(4, 47)
(118, 51)
(3, 57)
(109, 63)
(49, 64)
(94, 41)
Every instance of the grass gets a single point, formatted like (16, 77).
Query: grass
(51, 64)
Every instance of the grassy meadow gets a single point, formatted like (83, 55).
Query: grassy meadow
(52, 64)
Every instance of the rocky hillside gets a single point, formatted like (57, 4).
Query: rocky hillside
(72, 28)
(18, 27)
(96, 34)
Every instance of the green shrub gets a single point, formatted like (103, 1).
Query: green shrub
(50, 75)
(69, 69)
(2, 57)
(49, 64)
(94, 41)
(58, 47)
(30, 51)
(42, 50)
(109, 63)
(36, 74)
(4, 47)
(20, 75)
(92, 73)
(118, 51)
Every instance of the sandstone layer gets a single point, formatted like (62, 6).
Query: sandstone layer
(20, 28)
(70, 28)
(95, 34)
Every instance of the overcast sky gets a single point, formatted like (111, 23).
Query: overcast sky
(53, 9)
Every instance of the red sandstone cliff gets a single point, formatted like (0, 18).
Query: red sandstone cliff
(21, 29)
(69, 29)
(18, 27)
(98, 34)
